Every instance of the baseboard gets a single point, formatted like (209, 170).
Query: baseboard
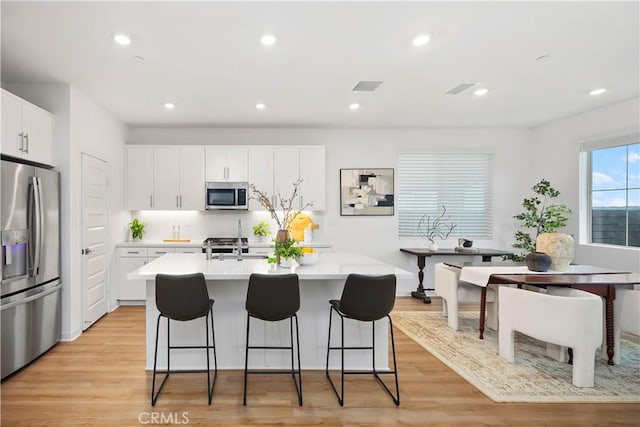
(70, 336)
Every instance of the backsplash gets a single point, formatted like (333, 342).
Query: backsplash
(198, 225)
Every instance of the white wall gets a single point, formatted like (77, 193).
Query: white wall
(80, 125)
(557, 145)
(375, 148)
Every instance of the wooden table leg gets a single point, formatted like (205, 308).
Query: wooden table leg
(483, 305)
(419, 293)
(608, 316)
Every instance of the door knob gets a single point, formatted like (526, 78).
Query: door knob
(86, 251)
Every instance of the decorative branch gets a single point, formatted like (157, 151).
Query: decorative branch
(440, 227)
(285, 205)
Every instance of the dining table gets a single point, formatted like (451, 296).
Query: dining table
(596, 280)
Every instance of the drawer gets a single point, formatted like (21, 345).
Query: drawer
(197, 250)
(132, 252)
(159, 251)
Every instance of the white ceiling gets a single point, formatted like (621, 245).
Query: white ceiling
(206, 57)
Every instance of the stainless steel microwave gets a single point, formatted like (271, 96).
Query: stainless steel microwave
(227, 195)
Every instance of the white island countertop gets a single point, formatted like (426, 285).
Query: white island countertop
(332, 266)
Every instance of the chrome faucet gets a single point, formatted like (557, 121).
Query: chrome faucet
(239, 240)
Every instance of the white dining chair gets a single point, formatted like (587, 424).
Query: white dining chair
(453, 291)
(564, 317)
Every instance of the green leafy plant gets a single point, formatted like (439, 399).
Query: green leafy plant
(272, 260)
(539, 215)
(287, 249)
(137, 228)
(261, 229)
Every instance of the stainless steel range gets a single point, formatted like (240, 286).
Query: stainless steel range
(226, 245)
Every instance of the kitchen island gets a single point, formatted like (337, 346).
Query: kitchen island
(227, 283)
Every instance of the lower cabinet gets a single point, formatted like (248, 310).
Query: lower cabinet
(133, 292)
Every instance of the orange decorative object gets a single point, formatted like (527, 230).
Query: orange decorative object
(299, 223)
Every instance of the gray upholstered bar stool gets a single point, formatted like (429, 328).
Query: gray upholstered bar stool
(366, 299)
(183, 298)
(274, 297)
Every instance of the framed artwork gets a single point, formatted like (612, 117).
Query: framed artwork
(366, 192)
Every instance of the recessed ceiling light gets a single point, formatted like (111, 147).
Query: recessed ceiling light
(481, 92)
(421, 40)
(261, 106)
(268, 40)
(169, 105)
(122, 39)
(598, 91)
(354, 106)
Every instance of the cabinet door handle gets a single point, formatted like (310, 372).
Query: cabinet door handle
(177, 201)
(181, 200)
(160, 252)
(133, 252)
(21, 134)
(151, 201)
(26, 137)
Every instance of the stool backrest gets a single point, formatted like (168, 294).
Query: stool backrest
(182, 297)
(273, 296)
(368, 297)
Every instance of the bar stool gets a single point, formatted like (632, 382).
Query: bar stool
(183, 298)
(273, 298)
(366, 299)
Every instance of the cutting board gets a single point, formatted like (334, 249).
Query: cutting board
(176, 240)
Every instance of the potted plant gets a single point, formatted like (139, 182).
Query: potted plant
(540, 216)
(261, 230)
(286, 250)
(137, 228)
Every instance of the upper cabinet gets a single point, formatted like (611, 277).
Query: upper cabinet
(227, 163)
(307, 163)
(173, 177)
(167, 178)
(27, 130)
(261, 172)
(139, 177)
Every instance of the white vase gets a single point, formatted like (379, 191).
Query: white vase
(431, 246)
(559, 246)
(285, 262)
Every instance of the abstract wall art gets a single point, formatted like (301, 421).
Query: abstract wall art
(366, 192)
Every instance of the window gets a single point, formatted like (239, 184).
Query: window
(614, 195)
(462, 182)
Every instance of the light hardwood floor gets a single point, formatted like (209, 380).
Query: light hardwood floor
(99, 380)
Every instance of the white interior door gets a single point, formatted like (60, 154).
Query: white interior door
(94, 239)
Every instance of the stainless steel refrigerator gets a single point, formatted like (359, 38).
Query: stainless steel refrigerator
(31, 286)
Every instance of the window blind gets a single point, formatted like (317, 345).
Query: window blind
(462, 182)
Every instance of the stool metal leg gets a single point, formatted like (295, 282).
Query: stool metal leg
(374, 371)
(210, 385)
(298, 384)
(396, 398)
(246, 362)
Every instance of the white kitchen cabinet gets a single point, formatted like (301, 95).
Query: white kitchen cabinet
(313, 174)
(132, 292)
(260, 172)
(286, 160)
(306, 162)
(139, 177)
(166, 178)
(27, 130)
(227, 163)
(192, 178)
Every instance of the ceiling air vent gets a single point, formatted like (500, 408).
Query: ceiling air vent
(459, 88)
(366, 86)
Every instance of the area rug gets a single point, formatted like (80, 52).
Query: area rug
(533, 377)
